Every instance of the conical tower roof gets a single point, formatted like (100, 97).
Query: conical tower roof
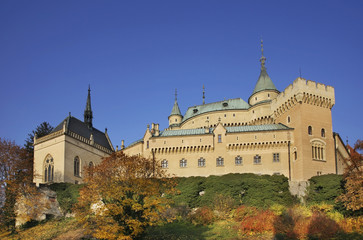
(88, 114)
(264, 81)
(176, 109)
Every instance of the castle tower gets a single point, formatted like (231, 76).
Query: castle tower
(175, 116)
(265, 89)
(88, 115)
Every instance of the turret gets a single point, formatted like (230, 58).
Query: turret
(175, 116)
(88, 115)
(265, 89)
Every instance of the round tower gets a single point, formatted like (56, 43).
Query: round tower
(175, 117)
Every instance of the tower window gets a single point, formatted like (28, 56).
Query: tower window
(147, 144)
(310, 130)
(322, 132)
(257, 159)
(220, 162)
(288, 119)
(219, 138)
(201, 162)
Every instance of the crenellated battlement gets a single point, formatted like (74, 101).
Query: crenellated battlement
(307, 91)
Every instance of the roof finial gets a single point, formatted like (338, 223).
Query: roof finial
(262, 59)
(176, 95)
(203, 95)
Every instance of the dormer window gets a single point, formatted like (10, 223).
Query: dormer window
(225, 104)
(195, 110)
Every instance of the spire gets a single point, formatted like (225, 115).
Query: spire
(264, 81)
(88, 115)
(175, 110)
(203, 95)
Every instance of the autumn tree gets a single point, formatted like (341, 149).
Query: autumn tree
(352, 197)
(122, 196)
(15, 178)
(41, 130)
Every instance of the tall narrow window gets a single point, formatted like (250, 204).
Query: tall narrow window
(220, 162)
(201, 162)
(49, 169)
(323, 132)
(257, 159)
(76, 167)
(310, 130)
(276, 157)
(219, 138)
(147, 144)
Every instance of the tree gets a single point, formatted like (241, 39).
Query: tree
(42, 130)
(15, 178)
(123, 195)
(352, 197)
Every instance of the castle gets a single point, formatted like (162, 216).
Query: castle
(288, 133)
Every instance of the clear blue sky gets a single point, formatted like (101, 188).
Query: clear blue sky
(135, 53)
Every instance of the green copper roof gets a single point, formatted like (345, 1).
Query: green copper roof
(176, 109)
(264, 82)
(183, 132)
(230, 104)
(257, 128)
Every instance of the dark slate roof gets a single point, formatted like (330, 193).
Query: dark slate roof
(77, 126)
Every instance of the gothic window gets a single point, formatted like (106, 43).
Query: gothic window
(238, 160)
(257, 159)
(183, 163)
(220, 162)
(164, 163)
(147, 144)
(323, 132)
(201, 162)
(49, 169)
(77, 167)
(310, 130)
(219, 138)
(276, 157)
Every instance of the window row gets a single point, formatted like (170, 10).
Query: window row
(183, 163)
(310, 131)
(318, 152)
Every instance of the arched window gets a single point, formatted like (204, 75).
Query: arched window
(183, 163)
(201, 162)
(257, 159)
(310, 130)
(91, 165)
(164, 163)
(49, 169)
(76, 167)
(220, 162)
(323, 132)
(238, 160)
(318, 150)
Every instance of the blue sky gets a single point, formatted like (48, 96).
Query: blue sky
(135, 53)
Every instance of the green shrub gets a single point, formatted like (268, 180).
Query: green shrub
(248, 189)
(325, 188)
(67, 194)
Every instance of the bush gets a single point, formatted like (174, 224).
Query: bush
(255, 222)
(325, 188)
(248, 189)
(67, 194)
(202, 216)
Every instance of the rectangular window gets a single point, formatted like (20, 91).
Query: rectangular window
(238, 160)
(147, 144)
(220, 162)
(201, 162)
(257, 159)
(219, 138)
(276, 157)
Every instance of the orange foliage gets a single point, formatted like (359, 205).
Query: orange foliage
(202, 216)
(254, 221)
(122, 196)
